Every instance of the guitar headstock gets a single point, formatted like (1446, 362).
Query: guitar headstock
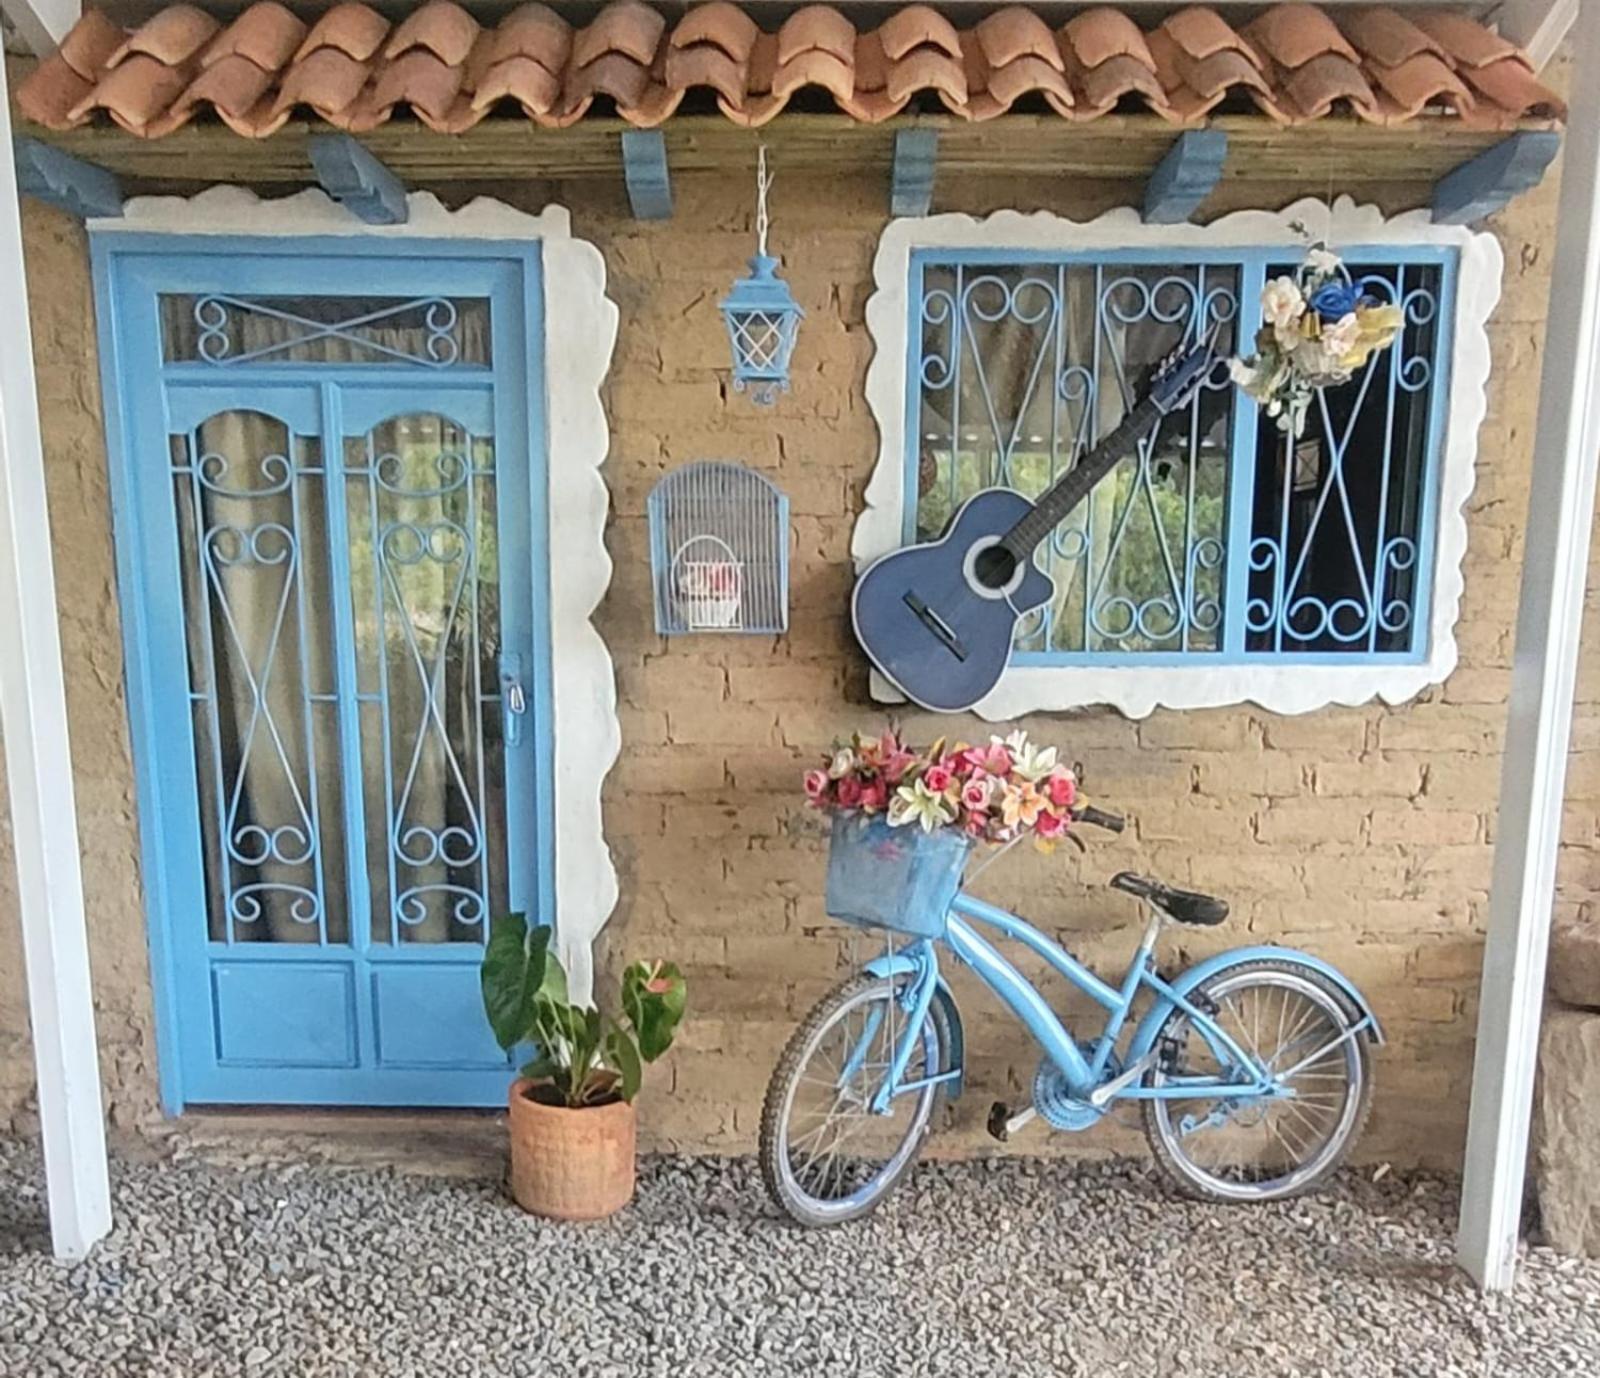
(1181, 372)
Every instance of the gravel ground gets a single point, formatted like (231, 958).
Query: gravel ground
(1010, 1268)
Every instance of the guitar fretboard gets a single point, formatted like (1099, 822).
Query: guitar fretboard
(1056, 503)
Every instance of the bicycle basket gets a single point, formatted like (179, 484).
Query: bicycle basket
(897, 878)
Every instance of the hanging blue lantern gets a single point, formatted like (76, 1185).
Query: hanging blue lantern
(761, 314)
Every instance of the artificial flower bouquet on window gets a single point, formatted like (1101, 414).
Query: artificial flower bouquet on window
(998, 792)
(1317, 329)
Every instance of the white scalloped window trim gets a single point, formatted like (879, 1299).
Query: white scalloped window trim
(580, 330)
(1137, 690)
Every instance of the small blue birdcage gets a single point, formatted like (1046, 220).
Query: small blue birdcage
(719, 550)
(761, 314)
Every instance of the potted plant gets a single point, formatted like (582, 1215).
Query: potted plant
(572, 1118)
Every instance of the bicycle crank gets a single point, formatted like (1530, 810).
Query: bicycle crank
(1060, 1108)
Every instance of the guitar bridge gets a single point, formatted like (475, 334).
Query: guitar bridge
(941, 629)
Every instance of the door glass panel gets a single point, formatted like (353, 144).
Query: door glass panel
(250, 507)
(432, 332)
(424, 588)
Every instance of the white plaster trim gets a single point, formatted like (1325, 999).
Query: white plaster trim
(580, 330)
(1137, 690)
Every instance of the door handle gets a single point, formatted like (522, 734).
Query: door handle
(513, 698)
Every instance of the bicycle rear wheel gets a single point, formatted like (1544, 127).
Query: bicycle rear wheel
(825, 1157)
(1293, 1019)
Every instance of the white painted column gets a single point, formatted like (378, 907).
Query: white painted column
(38, 768)
(1533, 777)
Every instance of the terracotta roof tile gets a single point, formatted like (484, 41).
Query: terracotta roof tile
(353, 29)
(89, 46)
(626, 26)
(267, 35)
(135, 93)
(1294, 35)
(1468, 43)
(1099, 35)
(53, 91)
(1012, 34)
(1200, 32)
(721, 24)
(328, 82)
(355, 70)
(1316, 87)
(1387, 36)
(1514, 90)
(443, 28)
(906, 30)
(531, 84)
(1409, 87)
(819, 27)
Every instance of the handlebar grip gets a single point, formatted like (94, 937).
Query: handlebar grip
(1099, 818)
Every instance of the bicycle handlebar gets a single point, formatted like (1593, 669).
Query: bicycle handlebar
(1099, 818)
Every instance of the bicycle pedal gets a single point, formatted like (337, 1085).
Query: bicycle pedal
(999, 1115)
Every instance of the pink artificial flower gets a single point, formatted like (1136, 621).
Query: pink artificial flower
(849, 792)
(1050, 825)
(937, 778)
(1062, 788)
(994, 759)
(816, 785)
(975, 793)
(976, 825)
(874, 795)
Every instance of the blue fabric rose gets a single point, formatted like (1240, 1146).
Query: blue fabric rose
(1335, 300)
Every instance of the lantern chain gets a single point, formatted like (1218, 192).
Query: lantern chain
(763, 184)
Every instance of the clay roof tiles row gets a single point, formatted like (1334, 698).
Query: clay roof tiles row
(355, 70)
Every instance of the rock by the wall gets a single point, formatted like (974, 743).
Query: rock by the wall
(1575, 959)
(1567, 1130)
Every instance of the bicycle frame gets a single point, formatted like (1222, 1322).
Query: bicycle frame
(1085, 1076)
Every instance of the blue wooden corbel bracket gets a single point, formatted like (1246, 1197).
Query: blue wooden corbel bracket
(644, 171)
(1482, 185)
(1185, 176)
(916, 155)
(48, 174)
(357, 180)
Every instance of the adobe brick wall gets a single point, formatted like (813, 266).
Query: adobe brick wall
(1364, 834)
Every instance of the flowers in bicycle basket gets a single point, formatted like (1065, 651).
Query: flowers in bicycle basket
(1317, 329)
(1000, 791)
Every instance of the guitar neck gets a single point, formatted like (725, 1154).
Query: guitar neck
(1056, 503)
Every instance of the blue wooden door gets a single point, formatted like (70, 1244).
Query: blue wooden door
(328, 474)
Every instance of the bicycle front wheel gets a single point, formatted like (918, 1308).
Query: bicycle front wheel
(1295, 1021)
(825, 1155)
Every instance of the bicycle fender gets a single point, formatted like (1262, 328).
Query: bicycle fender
(897, 965)
(1145, 1035)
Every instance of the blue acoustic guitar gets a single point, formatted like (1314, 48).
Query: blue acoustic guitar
(938, 619)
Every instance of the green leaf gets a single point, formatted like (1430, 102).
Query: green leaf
(625, 1058)
(654, 996)
(513, 970)
(554, 986)
(542, 1068)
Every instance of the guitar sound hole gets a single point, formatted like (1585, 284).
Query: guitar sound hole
(994, 567)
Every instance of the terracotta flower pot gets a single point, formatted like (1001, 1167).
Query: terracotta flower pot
(570, 1164)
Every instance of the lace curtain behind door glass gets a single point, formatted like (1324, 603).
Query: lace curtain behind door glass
(424, 589)
(250, 506)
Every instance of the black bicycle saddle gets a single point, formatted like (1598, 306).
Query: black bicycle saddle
(1186, 906)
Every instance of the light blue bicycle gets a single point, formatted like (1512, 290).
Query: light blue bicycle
(1252, 1067)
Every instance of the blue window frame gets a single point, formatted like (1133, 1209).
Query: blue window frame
(1222, 541)
(327, 466)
